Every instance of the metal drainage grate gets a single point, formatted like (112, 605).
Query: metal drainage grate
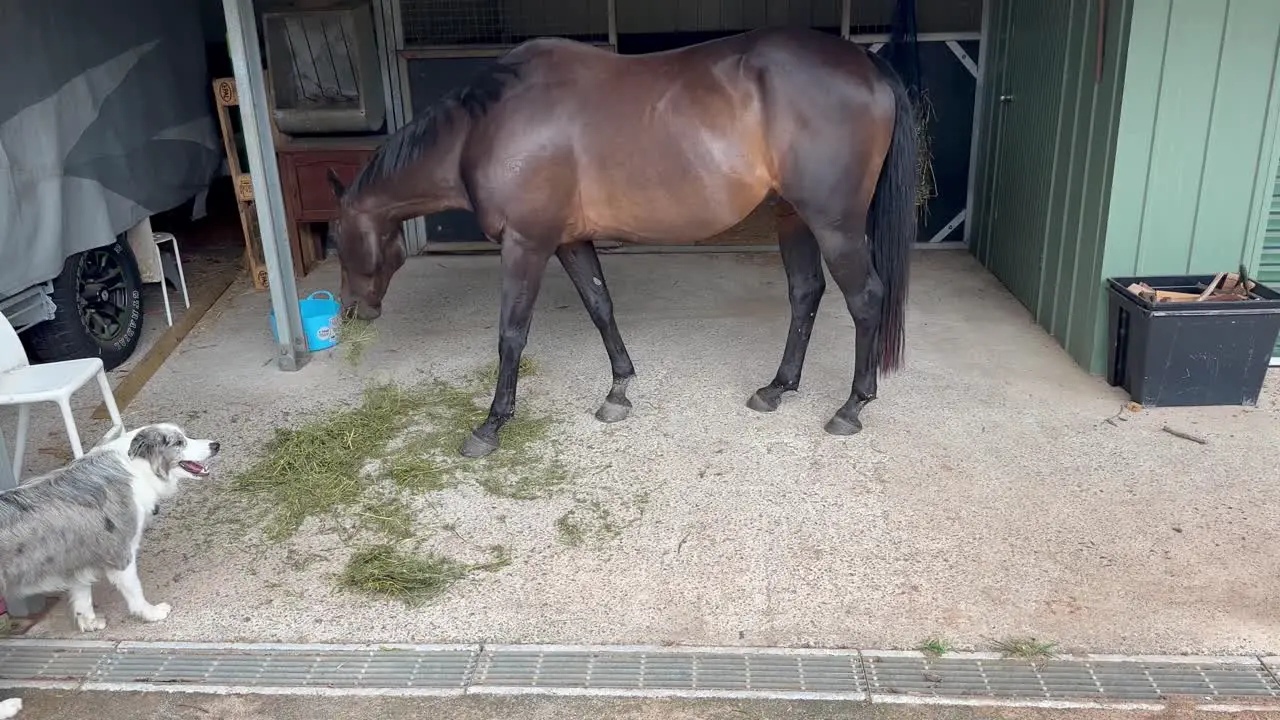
(258, 666)
(1104, 679)
(52, 661)
(880, 676)
(828, 674)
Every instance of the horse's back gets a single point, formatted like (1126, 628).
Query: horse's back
(652, 131)
(699, 132)
(543, 47)
(569, 69)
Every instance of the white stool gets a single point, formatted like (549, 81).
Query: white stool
(158, 239)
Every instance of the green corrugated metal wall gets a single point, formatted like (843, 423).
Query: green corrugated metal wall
(1194, 169)
(1042, 181)
(1268, 269)
(1163, 164)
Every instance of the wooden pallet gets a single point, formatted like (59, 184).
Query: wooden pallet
(226, 96)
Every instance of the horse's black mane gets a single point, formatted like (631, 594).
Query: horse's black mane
(407, 144)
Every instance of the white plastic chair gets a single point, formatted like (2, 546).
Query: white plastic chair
(157, 239)
(23, 384)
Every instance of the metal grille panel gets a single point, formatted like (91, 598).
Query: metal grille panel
(1101, 680)
(725, 672)
(501, 22)
(52, 661)
(371, 668)
(659, 670)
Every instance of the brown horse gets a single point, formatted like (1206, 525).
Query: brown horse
(558, 143)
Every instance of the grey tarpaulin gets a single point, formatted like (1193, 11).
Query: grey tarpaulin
(105, 118)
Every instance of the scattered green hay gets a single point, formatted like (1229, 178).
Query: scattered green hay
(357, 468)
(1026, 648)
(384, 571)
(417, 474)
(587, 522)
(519, 470)
(317, 468)
(535, 484)
(528, 367)
(935, 647)
(571, 530)
(7, 627)
(389, 516)
(355, 336)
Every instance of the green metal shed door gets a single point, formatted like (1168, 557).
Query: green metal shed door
(1269, 268)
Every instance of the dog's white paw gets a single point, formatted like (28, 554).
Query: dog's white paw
(156, 613)
(88, 623)
(10, 708)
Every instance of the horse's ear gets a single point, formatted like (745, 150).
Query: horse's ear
(335, 183)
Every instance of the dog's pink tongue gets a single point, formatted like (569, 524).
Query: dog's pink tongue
(192, 467)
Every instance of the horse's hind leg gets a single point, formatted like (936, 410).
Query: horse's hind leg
(805, 286)
(848, 257)
(583, 267)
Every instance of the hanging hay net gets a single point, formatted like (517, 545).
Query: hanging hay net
(926, 187)
(902, 52)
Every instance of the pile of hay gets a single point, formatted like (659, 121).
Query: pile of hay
(358, 466)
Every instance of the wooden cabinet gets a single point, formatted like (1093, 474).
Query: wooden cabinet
(308, 198)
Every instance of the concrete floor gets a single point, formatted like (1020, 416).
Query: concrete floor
(988, 495)
(50, 705)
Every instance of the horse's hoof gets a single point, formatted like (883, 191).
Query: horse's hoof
(760, 403)
(840, 426)
(612, 412)
(477, 447)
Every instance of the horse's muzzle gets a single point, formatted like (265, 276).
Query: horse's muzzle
(363, 311)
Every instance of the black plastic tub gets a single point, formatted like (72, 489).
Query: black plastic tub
(1179, 354)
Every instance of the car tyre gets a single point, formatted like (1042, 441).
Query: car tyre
(98, 296)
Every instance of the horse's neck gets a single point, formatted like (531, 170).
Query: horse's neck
(420, 205)
(416, 192)
(430, 184)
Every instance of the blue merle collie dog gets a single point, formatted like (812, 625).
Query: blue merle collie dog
(66, 530)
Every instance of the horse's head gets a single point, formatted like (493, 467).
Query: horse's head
(370, 250)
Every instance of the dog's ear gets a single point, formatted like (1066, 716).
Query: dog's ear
(155, 445)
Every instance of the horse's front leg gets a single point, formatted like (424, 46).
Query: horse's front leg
(523, 265)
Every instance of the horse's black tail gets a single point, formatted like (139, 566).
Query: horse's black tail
(891, 220)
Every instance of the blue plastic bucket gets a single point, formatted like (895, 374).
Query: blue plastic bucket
(321, 316)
